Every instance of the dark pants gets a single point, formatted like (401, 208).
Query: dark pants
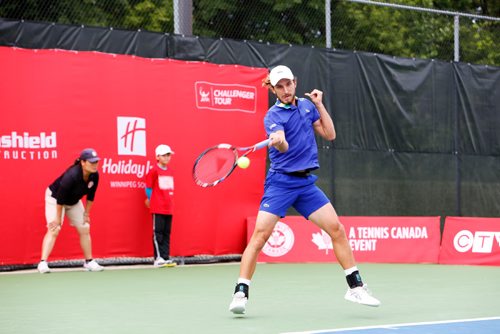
(162, 225)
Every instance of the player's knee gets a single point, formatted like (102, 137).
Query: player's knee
(338, 230)
(259, 239)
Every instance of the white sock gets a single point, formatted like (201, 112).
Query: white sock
(244, 281)
(350, 270)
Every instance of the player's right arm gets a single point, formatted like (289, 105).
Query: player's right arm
(278, 141)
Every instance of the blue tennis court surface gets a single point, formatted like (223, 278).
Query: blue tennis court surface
(466, 326)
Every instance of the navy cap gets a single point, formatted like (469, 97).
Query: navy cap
(89, 154)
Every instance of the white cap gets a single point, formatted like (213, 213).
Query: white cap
(163, 149)
(280, 72)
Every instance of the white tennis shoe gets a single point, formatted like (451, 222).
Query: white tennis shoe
(43, 267)
(93, 266)
(239, 303)
(361, 295)
(161, 263)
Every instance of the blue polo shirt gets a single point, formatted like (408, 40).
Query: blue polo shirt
(297, 123)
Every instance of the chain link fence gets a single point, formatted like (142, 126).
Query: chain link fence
(378, 27)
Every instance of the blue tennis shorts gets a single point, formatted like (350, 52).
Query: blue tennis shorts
(282, 191)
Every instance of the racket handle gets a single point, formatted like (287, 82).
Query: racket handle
(262, 144)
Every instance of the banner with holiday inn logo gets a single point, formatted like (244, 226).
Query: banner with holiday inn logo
(54, 103)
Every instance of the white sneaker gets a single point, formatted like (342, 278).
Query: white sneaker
(93, 266)
(361, 295)
(239, 303)
(43, 267)
(161, 263)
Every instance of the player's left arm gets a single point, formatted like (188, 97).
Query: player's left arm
(324, 125)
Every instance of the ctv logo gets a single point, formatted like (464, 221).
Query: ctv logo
(478, 242)
(131, 132)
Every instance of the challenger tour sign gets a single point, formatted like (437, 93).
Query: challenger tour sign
(225, 97)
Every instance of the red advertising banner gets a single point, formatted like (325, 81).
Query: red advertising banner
(54, 103)
(471, 240)
(372, 239)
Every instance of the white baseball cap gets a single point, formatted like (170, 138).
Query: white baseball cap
(280, 72)
(163, 149)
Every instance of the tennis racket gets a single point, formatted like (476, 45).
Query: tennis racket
(216, 163)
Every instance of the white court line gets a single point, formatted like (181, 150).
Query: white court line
(393, 326)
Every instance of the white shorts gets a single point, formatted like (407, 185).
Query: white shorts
(75, 213)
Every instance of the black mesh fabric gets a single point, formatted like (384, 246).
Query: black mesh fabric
(414, 137)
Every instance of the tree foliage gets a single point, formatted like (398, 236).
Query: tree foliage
(354, 26)
(153, 15)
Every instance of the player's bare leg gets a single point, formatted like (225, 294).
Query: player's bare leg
(263, 228)
(327, 219)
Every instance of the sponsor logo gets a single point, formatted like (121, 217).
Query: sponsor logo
(477, 242)
(131, 136)
(323, 241)
(26, 146)
(225, 97)
(365, 239)
(125, 167)
(384, 232)
(280, 242)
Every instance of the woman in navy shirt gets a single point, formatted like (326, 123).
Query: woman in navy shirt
(64, 196)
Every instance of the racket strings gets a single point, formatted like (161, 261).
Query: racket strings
(214, 165)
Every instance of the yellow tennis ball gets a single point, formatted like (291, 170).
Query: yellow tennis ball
(243, 162)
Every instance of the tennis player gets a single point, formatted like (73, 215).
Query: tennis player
(291, 124)
(64, 196)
